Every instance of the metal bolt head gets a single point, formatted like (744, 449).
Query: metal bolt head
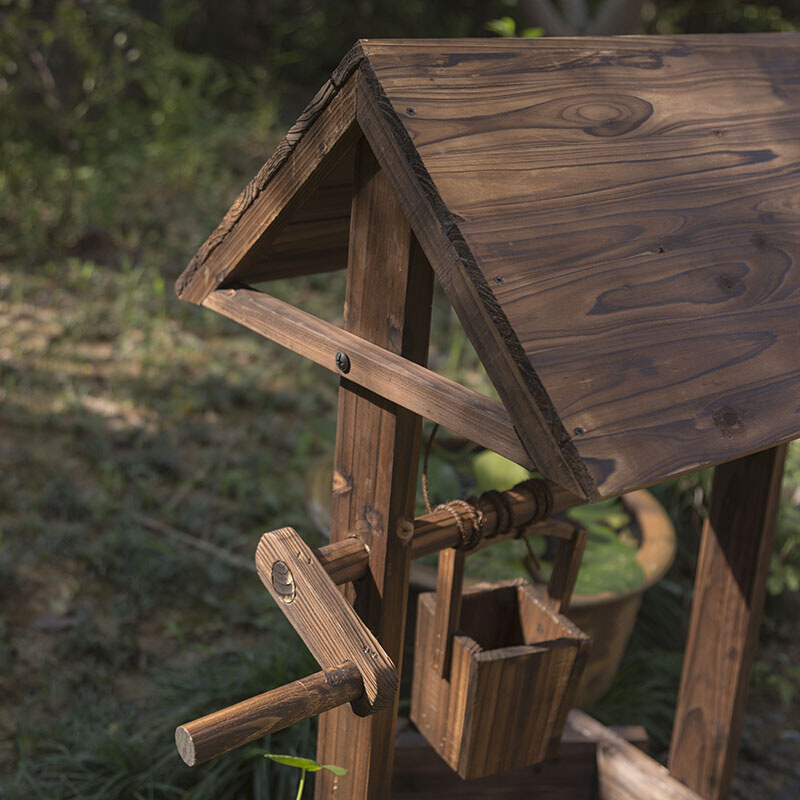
(343, 362)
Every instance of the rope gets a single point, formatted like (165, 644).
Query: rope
(470, 536)
(471, 521)
(503, 512)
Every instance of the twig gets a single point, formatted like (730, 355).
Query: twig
(157, 526)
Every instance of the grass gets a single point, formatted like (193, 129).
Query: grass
(119, 405)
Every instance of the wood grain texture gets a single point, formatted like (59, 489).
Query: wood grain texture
(728, 598)
(449, 584)
(558, 594)
(615, 220)
(387, 374)
(437, 530)
(314, 237)
(627, 215)
(567, 563)
(348, 559)
(344, 561)
(435, 227)
(326, 622)
(256, 717)
(623, 771)
(388, 302)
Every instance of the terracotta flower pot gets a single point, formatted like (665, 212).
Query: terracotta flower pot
(609, 617)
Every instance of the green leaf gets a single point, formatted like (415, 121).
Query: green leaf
(492, 471)
(295, 761)
(505, 26)
(336, 770)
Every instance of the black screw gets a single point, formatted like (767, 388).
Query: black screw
(498, 279)
(343, 362)
(410, 111)
(579, 431)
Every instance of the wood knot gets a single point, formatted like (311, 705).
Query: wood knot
(341, 483)
(729, 422)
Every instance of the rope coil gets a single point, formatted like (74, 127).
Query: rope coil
(470, 518)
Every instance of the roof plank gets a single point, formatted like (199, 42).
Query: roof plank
(616, 221)
(633, 206)
(324, 134)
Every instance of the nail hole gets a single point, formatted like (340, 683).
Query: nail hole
(498, 279)
(579, 431)
(410, 111)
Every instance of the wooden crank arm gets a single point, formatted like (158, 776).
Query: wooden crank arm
(355, 667)
(266, 713)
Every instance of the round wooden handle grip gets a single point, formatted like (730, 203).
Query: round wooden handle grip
(266, 713)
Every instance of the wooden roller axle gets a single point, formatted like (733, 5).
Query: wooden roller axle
(266, 713)
(348, 559)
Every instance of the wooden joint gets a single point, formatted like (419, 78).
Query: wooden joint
(327, 623)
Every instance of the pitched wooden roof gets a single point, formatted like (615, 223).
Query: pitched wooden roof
(615, 220)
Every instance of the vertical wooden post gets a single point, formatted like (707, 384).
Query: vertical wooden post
(389, 292)
(728, 599)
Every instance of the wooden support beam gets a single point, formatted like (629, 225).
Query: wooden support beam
(420, 773)
(464, 411)
(623, 771)
(729, 592)
(389, 293)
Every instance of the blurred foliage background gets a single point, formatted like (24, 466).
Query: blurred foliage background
(133, 427)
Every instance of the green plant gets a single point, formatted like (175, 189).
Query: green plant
(103, 118)
(784, 572)
(609, 561)
(507, 27)
(305, 765)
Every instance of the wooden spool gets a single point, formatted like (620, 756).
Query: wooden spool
(495, 696)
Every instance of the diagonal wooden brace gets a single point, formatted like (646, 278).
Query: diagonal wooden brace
(326, 622)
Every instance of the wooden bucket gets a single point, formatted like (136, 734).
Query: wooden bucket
(513, 672)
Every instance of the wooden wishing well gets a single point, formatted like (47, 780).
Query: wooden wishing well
(616, 222)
